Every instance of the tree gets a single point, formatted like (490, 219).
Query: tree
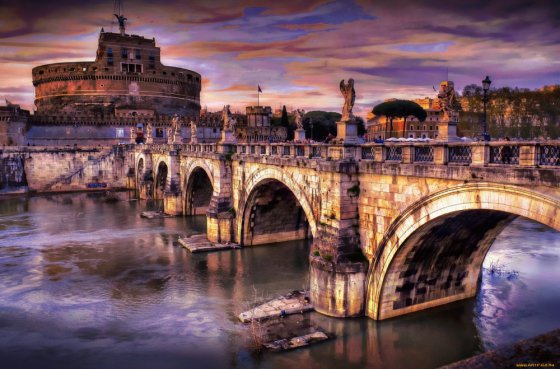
(285, 122)
(399, 109)
(323, 123)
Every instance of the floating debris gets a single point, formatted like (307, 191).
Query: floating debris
(154, 214)
(296, 342)
(199, 243)
(296, 302)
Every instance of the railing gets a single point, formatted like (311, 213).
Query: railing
(504, 154)
(394, 153)
(368, 153)
(460, 154)
(495, 153)
(549, 155)
(424, 154)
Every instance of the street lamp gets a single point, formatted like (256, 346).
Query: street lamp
(485, 87)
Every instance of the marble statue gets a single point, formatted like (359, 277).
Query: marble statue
(226, 118)
(448, 101)
(299, 118)
(349, 94)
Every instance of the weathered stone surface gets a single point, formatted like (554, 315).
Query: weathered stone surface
(293, 303)
(199, 243)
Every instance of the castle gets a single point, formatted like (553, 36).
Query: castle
(114, 99)
(125, 95)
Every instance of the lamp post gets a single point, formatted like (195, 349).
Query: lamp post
(485, 87)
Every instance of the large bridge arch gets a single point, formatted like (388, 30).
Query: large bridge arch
(198, 187)
(432, 253)
(260, 180)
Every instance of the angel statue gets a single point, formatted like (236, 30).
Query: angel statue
(148, 132)
(121, 19)
(299, 118)
(176, 124)
(226, 118)
(349, 95)
(193, 128)
(448, 101)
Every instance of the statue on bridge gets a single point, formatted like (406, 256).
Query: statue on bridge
(299, 118)
(448, 101)
(149, 139)
(299, 134)
(194, 133)
(226, 118)
(349, 94)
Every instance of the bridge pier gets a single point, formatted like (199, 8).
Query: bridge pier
(220, 220)
(338, 269)
(172, 194)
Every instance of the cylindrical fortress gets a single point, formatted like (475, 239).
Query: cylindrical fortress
(127, 74)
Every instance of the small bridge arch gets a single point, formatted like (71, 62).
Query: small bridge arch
(261, 195)
(433, 252)
(198, 187)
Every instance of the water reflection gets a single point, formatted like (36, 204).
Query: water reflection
(88, 281)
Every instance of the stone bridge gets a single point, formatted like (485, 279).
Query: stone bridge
(396, 227)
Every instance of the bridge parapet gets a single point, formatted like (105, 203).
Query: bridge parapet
(495, 153)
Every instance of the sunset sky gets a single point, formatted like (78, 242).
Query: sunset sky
(298, 51)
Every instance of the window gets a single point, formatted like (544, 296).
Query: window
(109, 61)
(120, 132)
(124, 52)
(418, 128)
(110, 52)
(152, 56)
(412, 128)
(131, 68)
(159, 132)
(137, 54)
(431, 127)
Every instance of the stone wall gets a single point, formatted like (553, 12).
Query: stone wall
(48, 169)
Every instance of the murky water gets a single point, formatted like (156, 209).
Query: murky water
(89, 284)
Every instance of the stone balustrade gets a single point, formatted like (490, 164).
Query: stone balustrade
(495, 153)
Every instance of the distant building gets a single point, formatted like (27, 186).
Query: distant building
(380, 127)
(257, 126)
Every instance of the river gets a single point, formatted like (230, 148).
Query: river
(86, 283)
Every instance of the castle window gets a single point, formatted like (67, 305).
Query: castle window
(418, 127)
(197, 79)
(110, 52)
(152, 56)
(109, 62)
(124, 52)
(431, 128)
(137, 54)
(189, 77)
(164, 73)
(412, 128)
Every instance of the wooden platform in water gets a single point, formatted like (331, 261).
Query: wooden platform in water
(199, 243)
(295, 302)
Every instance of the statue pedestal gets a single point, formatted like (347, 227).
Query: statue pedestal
(299, 135)
(194, 139)
(347, 131)
(227, 137)
(447, 131)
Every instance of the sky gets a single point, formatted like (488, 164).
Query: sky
(299, 50)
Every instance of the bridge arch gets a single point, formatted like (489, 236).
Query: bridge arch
(198, 188)
(161, 179)
(262, 194)
(432, 254)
